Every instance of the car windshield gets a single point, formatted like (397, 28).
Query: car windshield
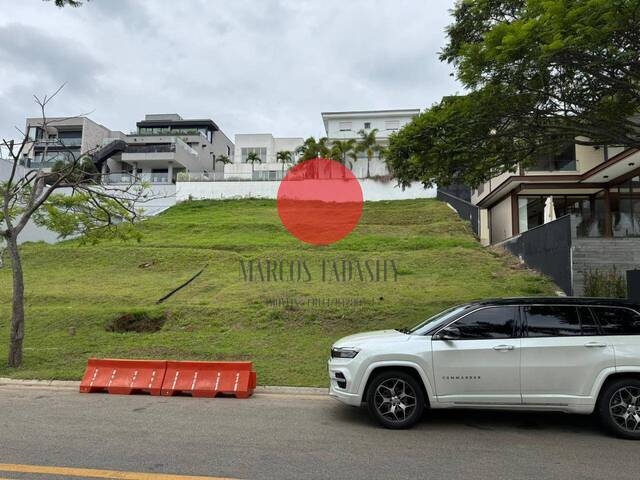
(437, 319)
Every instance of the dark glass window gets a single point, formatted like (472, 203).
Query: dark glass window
(560, 160)
(492, 322)
(617, 321)
(552, 321)
(587, 322)
(625, 211)
(531, 212)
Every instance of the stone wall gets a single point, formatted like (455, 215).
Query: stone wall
(589, 254)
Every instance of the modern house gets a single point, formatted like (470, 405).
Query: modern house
(163, 146)
(593, 192)
(266, 147)
(597, 186)
(346, 125)
(64, 139)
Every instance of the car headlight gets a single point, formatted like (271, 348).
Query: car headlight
(344, 352)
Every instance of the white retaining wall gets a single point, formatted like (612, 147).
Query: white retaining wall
(160, 197)
(372, 190)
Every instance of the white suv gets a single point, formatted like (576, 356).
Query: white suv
(569, 354)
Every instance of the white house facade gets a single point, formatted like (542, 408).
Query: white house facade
(346, 125)
(266, 147)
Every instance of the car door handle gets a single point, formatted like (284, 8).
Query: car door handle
(595, 345)
(503, 347)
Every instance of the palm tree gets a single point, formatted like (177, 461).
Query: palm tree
(312, 148)
(284, 156)
(223, 159)
(341, 149)
(367, 144)
(253, 158)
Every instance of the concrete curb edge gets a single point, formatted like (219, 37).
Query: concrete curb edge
(75, 385)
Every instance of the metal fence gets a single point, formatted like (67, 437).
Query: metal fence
(466, 210)
(547, 248)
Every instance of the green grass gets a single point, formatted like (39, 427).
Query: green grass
(221, 316)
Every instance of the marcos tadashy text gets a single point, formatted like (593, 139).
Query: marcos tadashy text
(301, 270)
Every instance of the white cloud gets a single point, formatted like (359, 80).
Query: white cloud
(252, 66)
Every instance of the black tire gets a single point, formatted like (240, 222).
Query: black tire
(619, 398)
(398, 411)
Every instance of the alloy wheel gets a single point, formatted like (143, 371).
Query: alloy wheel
(624, 408)
(395, 399)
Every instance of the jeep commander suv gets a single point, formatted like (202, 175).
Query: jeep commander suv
(569, 354)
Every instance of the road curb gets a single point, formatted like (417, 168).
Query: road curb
(75, 385)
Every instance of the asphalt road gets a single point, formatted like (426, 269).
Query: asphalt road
(292, 437)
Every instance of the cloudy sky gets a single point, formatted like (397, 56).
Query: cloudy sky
(251, 65)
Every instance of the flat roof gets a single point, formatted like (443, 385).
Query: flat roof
(198, 122)
(363, 112)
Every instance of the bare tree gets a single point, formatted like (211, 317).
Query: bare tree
(70, 200)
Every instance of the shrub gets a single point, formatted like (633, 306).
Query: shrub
(139, 321)
(605, 284)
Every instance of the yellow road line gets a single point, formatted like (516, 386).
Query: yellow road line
(93, 473)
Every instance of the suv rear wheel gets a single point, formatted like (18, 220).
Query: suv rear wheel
(395, 399)
(619, 408)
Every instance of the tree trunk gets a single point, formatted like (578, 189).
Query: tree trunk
(17, 313)
(368, 163)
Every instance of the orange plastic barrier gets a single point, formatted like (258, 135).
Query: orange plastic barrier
(123, 377)
(208, 379)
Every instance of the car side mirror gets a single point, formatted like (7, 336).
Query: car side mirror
(449, 333)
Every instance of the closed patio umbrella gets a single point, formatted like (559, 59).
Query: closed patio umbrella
(549, 210)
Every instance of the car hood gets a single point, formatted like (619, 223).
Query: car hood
(371, 337)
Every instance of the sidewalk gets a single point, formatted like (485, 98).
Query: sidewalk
(75, 385)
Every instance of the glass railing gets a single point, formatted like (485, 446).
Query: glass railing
(155, 177)
(128, 178)
(169, 147)
(38, 165)
(261, 176)
(60, 142)
(168, 133)
(123, 178)
(53, 157)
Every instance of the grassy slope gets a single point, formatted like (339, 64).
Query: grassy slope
(220, 316)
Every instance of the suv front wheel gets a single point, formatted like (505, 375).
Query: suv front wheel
(619, 408)
(395, 399)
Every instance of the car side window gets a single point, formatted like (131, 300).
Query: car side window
(617, 320)
(552, 321)
(588, 322)
(486, 323)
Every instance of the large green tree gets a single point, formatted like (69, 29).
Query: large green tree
(539, 73)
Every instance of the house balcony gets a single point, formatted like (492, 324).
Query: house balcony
(59, 142)
(173, 151)
(126, 178)
(136, 153)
